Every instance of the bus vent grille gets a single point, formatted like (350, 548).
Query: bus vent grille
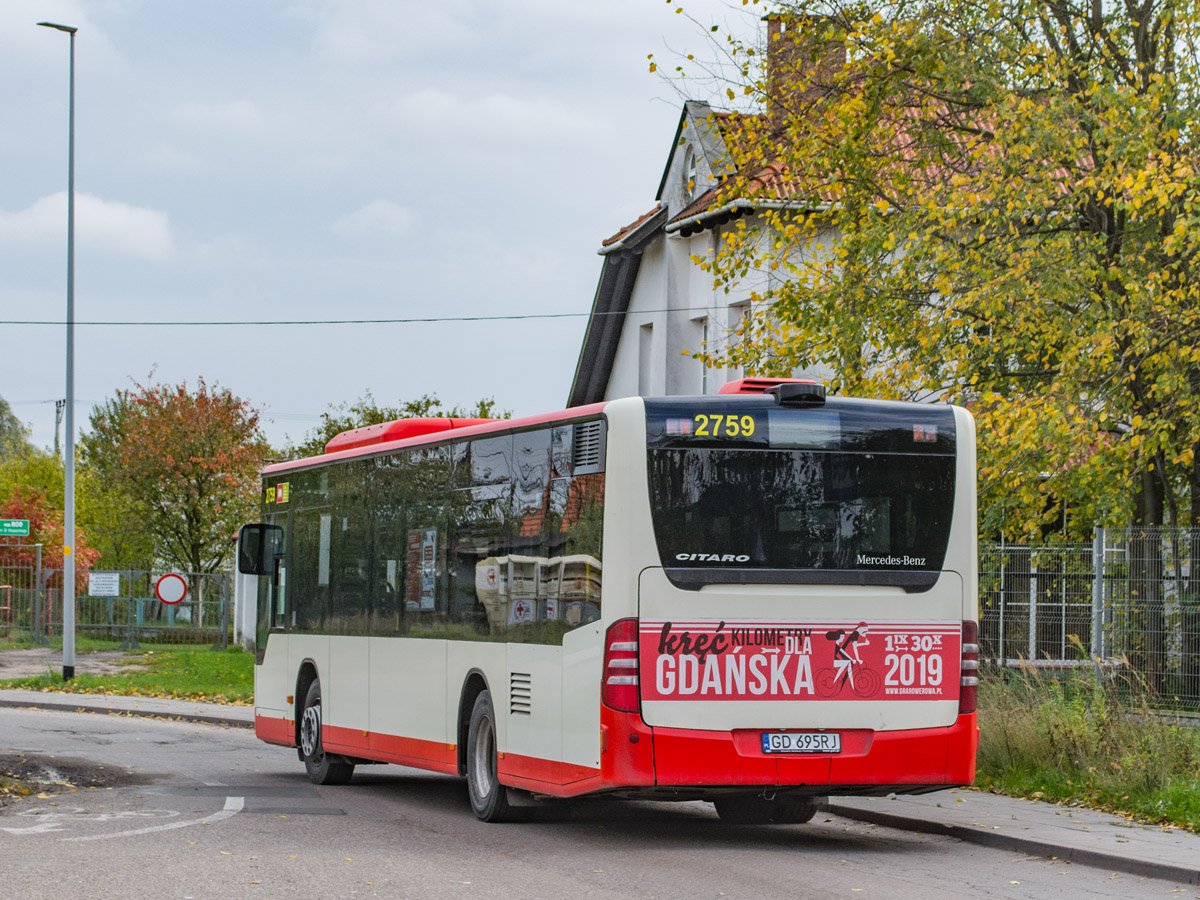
(520, 694)
(588, 450)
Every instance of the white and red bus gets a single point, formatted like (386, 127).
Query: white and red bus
(758, 598)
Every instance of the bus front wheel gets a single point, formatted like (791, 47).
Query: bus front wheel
(322, 767)
(489, 798)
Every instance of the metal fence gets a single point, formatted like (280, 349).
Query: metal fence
(129, 610)
(1129, 601)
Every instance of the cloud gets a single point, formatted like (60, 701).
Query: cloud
(379, 218)
(238, 116)
(102, 224)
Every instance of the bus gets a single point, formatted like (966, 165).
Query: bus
(758, 598)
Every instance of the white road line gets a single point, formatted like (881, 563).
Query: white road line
(233, 805)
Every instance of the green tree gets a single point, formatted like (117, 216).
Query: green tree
(31, 487)
(184, 464)
(367, 411)
(993, 203)
(14, 435)
(105, 506)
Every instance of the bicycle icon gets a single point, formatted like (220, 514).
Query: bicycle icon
(830, 682)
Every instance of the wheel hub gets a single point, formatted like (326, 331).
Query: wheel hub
(310, 731)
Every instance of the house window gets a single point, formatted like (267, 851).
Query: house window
(689, 174)
(645, 356)
(739, 318)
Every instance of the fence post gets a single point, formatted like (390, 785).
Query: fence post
(131, 642)
(1032, 609)
(1098, 598)
(39, 588)
(1003, 654)
(223, 638)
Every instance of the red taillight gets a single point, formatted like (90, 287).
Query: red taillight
(968, 692)
(619, 689)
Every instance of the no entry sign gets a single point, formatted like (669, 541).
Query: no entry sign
(170, 588)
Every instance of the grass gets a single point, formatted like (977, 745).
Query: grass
(1069, 738)
(174, 672)
(20, 640)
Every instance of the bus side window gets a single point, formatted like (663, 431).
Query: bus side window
(578, 514)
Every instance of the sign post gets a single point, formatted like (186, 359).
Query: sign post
(14, 528)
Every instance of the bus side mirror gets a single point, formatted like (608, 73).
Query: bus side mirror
(258, 548)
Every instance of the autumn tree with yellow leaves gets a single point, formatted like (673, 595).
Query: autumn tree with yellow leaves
(993, 203)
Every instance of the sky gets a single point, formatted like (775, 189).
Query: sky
(289, 160)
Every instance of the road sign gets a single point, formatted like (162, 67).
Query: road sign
(170, 588)
(104, 584)
(14, 528)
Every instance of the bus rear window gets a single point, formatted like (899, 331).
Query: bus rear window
(853, 493)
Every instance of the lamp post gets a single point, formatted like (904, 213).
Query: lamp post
(68, 669)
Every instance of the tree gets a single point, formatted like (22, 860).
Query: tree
(14, 436)
(367, 411)
(187, 464)
(105, 506)
(31, 487)
(993, 203)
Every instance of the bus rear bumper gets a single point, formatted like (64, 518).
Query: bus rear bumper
(870, 761)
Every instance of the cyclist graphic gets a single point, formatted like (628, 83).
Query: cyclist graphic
(845, 658)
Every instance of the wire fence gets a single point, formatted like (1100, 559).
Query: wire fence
(123, 606)
(1127, 602)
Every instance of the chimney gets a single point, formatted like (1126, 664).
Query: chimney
(801, 66)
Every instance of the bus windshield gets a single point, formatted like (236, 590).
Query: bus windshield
(847, 493)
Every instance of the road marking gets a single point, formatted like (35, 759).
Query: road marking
(78, 813)
(48, 825)
(233, 805)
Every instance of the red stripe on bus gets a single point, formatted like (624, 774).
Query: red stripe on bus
(275, 731)
(565, 415)
(420, 754)
(549, 773)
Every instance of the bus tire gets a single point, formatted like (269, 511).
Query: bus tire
(792, 811)
(489, 798)
(745, 809)
(322, 767)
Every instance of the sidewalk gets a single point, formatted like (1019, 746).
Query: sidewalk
(151, 707)
(1081, 836)
(1071, 833)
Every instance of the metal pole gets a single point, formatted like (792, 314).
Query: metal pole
(68, 667)
(1032, 609)
(36, 618)
(1098, 598)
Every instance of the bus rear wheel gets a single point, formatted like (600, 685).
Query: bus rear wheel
(322, 767)
(489, 798)
(744, 809)
(755, 809)
(792, 810)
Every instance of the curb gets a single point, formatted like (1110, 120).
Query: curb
(1031, 847)
(60, 706)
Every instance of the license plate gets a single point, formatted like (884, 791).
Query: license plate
(801, 742)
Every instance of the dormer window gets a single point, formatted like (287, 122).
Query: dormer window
(689, 174)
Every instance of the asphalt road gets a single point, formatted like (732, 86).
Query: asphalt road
(201, 811)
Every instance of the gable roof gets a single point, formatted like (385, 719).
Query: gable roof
(622, 259)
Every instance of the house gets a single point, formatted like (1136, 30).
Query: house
(653, 304)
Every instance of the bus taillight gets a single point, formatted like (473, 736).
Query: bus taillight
(968, 694)
(619, 690)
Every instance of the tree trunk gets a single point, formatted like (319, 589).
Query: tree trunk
(1147, 636)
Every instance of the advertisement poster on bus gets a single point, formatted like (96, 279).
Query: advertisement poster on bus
(428, 568)
(789, 660)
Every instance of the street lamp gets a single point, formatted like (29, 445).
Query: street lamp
(68, 669)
